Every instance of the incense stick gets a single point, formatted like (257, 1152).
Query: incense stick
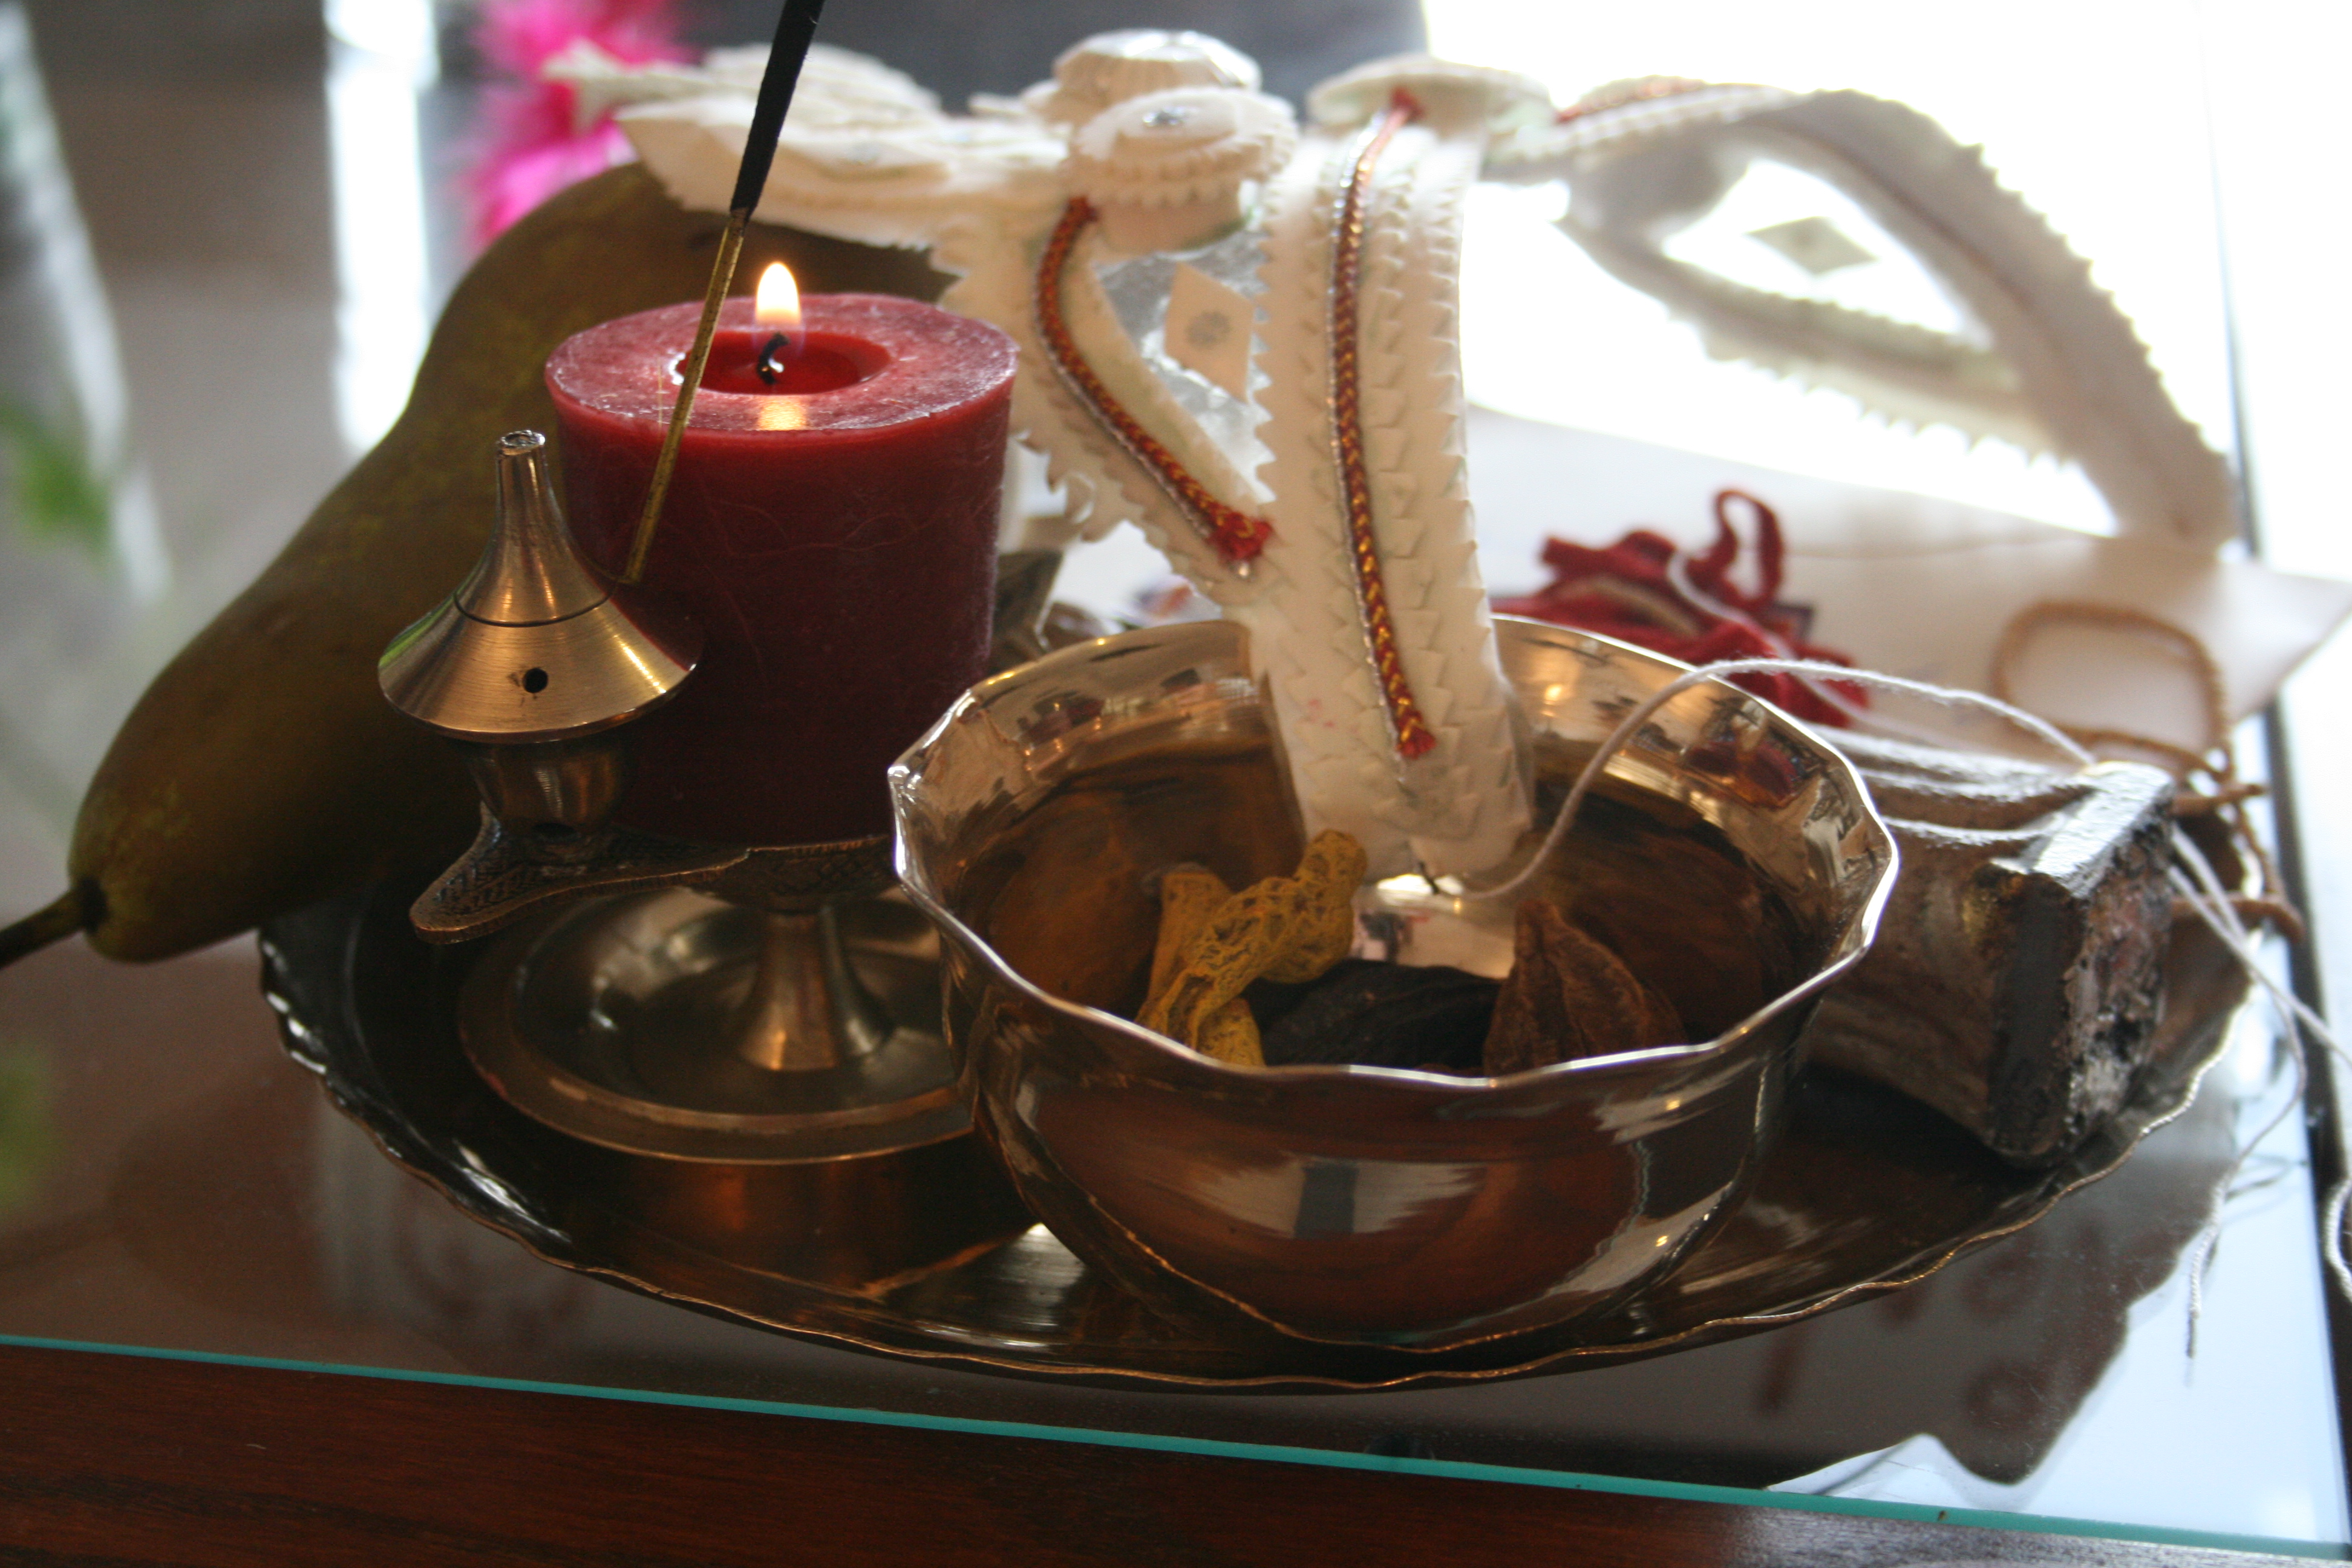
(795, 29)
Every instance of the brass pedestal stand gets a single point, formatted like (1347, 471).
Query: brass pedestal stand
(753, 1026)
(784, 1011)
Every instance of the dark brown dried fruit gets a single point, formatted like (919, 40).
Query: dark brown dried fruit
(1378, 1014)
(1570, 996)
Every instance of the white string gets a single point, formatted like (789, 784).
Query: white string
(2222, 918)
(1939, 695)
(2331, 1244)
(2305, 1028)
(2199, 887)
(1678, 575)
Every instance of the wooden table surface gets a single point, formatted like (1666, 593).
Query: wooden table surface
(124, 1459)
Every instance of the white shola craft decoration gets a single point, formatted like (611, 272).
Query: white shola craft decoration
(1278, 408)
(1241, 335)
(2062, 369)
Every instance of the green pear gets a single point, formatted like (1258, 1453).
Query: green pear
(263, 769)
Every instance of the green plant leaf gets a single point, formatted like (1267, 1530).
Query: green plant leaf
(59, 496)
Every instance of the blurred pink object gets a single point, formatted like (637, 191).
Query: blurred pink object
(530, 147)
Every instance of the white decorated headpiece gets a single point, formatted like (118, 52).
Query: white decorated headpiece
(1112, 67)
(1244, 339)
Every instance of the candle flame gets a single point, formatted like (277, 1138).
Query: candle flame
(778, 302)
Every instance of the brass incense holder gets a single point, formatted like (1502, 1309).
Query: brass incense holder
(738, 1003)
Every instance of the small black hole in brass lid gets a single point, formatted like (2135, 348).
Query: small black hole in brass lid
(535, 643)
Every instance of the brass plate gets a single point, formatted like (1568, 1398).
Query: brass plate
(926, 1254)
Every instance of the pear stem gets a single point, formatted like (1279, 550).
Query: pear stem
(52, 922)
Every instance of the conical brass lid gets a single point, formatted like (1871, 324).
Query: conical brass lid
(535, 643)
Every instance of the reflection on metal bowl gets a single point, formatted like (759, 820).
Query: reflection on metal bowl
(1729, 856)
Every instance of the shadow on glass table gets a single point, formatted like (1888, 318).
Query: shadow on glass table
(177, 1181)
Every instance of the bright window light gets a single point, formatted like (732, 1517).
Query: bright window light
(383, 53)
(2093, 113)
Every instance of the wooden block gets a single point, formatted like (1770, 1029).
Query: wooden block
(2018, 977)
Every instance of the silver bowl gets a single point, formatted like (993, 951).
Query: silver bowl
(1730, 856)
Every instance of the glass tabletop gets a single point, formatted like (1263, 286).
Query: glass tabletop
(259, 271)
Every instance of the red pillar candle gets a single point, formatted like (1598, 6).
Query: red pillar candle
(838, 547)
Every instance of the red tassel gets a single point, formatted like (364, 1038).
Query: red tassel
(1627, 590)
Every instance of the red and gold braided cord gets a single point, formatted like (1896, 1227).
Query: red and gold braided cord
(1234, 534)
(1414, 736)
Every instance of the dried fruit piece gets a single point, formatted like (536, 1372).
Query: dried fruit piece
(1189, 895)
(1233, 948)
(1230, 1034)
(1295, 927)
(1380, 1015)
(1329, 873)
(1570, 996)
